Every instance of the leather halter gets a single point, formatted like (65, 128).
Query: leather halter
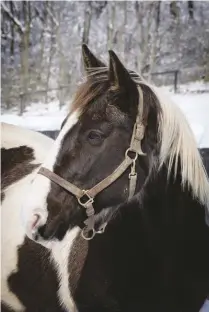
(86, 197)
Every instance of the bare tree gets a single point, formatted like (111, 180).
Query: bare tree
(53, 36)
(12, 32)
(24, 48)
(87, 22)
(111, 24)
(23, 28)
(41, 42)
(154, 38)
(125, 35)
(144, 23)
(43, 18)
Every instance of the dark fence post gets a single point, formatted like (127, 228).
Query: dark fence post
(22, 103)
(174, 72)
(175, 80)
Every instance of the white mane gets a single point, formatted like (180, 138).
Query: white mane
(178, 145)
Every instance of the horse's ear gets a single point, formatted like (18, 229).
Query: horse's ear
(89, 59)
(118, 74)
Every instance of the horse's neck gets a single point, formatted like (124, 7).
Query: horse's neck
(168, 207)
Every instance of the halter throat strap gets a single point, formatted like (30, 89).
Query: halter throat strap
(86, 197)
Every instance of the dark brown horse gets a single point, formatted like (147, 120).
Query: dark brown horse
(153, 254)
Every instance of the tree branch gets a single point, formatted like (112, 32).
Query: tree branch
(13, 18)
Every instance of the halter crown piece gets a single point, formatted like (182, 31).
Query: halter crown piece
(86, 197)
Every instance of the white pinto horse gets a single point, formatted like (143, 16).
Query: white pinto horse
(22, 152)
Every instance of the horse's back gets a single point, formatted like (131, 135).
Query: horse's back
(22, 150)
(13, 137)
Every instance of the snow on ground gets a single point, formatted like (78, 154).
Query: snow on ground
(196, 109)
(198, 86)
(38, 116)
(43, 117)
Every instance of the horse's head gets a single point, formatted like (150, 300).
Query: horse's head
(112, 120)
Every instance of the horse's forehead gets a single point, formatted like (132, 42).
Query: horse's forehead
(115, 114)
(110, 113)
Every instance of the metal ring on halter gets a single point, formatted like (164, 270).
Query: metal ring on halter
(132, 151)
(101, 229)
(88, 237)
(90, 199)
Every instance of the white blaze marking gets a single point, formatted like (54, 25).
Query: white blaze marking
(40, 186)
(60, 255)
(40, 189)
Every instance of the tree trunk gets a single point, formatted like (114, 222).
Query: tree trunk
(144, 33)
(62, 66)
(24, 54)
(110, 24)
(52, 51)
(42, 43)
(154, 39)
(12, 33)
(125, 35)
(87, 22)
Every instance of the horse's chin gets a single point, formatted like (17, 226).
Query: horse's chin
(36, 238)
(49, 243)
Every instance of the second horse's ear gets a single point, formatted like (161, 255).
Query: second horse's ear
(90, 60)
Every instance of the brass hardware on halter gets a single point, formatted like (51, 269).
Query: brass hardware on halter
(94, 232)
(90, 199)
(135, 147)
(85, 231)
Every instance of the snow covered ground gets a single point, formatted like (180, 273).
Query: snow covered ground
(43, 117)
(38, 116)
(196, 109)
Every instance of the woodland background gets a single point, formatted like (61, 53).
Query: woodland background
(41, 43)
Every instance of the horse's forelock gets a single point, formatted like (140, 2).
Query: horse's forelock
(90, 89)
(96, 83)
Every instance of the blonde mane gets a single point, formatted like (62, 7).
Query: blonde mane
(178, 146)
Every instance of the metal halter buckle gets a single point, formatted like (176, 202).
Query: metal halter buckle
(130, 150)
(90, 199)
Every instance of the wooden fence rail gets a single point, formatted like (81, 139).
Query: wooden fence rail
(174, 72)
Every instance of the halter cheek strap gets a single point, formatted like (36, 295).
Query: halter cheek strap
(86, 197)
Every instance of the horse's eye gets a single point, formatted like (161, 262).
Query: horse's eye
(95, 137)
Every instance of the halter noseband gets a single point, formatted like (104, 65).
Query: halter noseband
(86, 197)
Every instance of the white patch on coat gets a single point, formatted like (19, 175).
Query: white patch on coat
(60, 255)
(12, 236)
(15, 136)
(12, 231)
(40, 187)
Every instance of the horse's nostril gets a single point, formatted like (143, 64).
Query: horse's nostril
(36, 219)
